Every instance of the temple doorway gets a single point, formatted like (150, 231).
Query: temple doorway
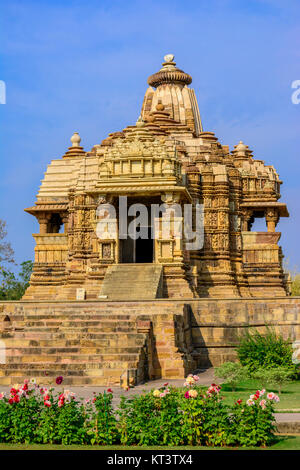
(140, 250)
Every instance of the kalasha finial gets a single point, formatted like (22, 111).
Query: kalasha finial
(75, 139)
(169, 58)
(140, 122)
(241, 146)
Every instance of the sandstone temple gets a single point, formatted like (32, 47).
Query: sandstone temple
(106, 308)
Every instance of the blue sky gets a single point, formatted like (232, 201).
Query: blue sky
(83, 66)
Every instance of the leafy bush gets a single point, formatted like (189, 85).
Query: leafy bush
(172, 417)
(103, 423)
(214, 426)
(278, 376)
(70, 424)
(232, 373)
(253, 422)
(166, 416)
(256, 350)
(151, 420)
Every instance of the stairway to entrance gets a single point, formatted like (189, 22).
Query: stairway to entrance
(132, 282)
(85, 347)
(92, 342)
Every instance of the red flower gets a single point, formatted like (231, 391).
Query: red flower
(166, 384)
(186, 395)
(13, 391)
(109, 390)
(94, 399)
(10, 401)
(239, 401)
(25, 387)
(59, 380)
(16, 399)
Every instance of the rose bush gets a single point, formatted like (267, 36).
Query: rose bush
(164, 416)
(253, 421)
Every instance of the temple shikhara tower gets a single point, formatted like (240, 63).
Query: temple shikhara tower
(105, 308)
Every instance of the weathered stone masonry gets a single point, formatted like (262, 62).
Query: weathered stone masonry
(103, 310)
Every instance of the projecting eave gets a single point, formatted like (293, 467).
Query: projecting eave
(282, 208)
(46, 207)
(141, 189)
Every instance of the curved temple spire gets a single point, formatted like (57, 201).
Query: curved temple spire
(171, 89)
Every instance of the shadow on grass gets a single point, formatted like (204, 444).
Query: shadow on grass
(282, 443)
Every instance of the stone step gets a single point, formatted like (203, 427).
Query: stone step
(71, 334)
(132, 282)
(116, 328)
(74, 358)
(105, 380)
(113, 341)
(78, 368)
(111, 316)
(90, 352)
(74, 323)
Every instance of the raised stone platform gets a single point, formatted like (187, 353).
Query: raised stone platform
(107, 342)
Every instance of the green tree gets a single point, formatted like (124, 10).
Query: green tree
(12, 287)
(294, 277)
(279, 376)
(296, 285)
(6, 251)
(232, 373)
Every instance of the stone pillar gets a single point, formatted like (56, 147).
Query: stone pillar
(65, 220)
(43, 220)
(271, 216)
(246, 216)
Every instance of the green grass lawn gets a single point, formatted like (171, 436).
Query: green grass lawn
(289, 397)
(284, 443)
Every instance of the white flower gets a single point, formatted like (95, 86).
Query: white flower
(271, 396)
(193, 393)
(250, 402)
(33, 381)
(190, 380)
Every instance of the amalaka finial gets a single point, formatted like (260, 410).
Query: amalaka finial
(169, 74)
(75, 139)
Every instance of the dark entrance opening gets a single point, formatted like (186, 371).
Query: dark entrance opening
(144, 249)
(139, 250)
